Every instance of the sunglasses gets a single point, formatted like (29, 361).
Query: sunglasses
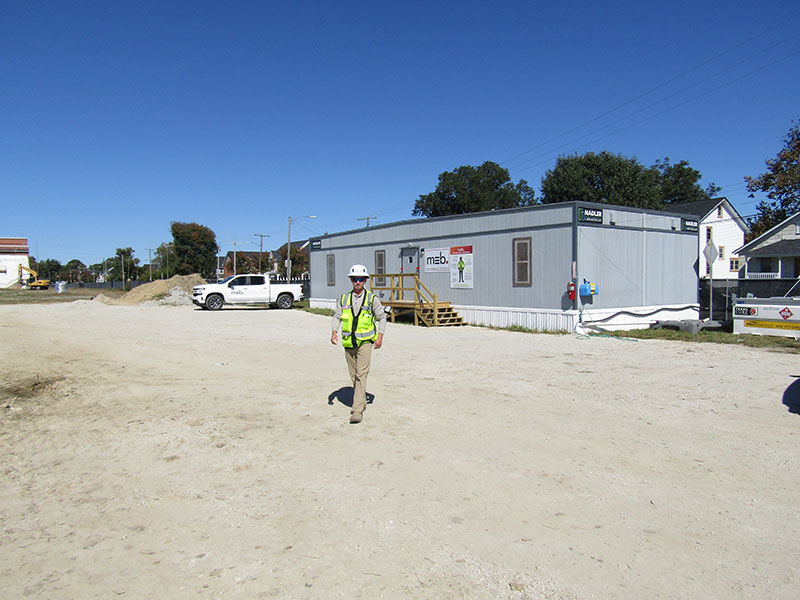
(358, 279)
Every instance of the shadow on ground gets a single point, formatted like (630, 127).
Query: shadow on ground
(345, 396)
(791, 397)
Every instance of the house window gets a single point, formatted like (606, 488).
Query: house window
(522, 262)
(708, 234)
(719, 211)
(380, 268)
(708, 268)
(721, 254)
(734, 264)
(331, 269)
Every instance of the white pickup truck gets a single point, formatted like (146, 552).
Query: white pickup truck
(246, 289)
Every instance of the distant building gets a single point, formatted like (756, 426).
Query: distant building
(13, 253)
(247, 258)
(718, 221)
(775, 254)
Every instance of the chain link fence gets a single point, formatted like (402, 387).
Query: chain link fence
(727, 290)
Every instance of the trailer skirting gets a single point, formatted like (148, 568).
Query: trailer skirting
(541, 319)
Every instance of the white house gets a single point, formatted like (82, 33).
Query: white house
(718, 221)
(774, 254)
(13, 253)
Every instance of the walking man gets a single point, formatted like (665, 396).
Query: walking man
(363, 321)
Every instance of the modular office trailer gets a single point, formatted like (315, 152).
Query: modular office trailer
(513, 267)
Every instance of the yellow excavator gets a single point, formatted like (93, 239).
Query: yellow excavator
(33, 282)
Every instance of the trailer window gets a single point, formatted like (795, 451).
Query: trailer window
(380, 267)
(522, 262)
(331, 269)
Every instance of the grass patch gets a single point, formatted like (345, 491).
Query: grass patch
(304, 306)
(325, 312)
(771, 342)
(774, 342)
(520, 329)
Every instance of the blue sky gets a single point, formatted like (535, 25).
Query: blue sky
(121, 117)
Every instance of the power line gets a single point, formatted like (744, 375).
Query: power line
(704, 63)
(666, 110)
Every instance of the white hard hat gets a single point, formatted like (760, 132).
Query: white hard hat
(358, 271)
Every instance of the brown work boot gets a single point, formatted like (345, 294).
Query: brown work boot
(355, 417)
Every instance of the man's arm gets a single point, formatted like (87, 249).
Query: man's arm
(337, 321)
(379, 315)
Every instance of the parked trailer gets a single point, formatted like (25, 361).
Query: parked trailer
(767, 316)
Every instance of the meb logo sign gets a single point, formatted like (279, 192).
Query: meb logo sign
(437, 260)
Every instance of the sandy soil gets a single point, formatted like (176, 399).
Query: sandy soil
(168, 452)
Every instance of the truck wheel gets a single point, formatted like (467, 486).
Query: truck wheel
(285, 301)
(214, 302)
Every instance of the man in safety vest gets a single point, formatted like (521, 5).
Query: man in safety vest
(363, 320)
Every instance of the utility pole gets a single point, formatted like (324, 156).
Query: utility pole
(289, 245)
(150, 261)
(234, 242)
(260, 248)
(367, 219)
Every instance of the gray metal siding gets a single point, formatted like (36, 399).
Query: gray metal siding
(631, 265)
(491, 236)
(635, 267)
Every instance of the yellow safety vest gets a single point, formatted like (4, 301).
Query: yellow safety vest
(365, 330)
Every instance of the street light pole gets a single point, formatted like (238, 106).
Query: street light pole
(260, 248)
(289, 245)
(150, 260)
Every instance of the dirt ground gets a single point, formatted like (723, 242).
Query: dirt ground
(153, 451)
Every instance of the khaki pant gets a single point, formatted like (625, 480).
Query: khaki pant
(358, 360)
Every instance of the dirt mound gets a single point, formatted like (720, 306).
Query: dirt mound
(161, 288)
(176, 297)
(102, 298)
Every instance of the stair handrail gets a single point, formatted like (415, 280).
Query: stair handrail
(396, 289)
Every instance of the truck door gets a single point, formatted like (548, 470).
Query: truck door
(248, 288)
(258, 289)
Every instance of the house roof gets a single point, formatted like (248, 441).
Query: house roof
(13, 246)
(781, 248)
(766, 235)
(702, 208)
(699, 209)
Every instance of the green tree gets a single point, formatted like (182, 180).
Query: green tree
(195, 249)
(680, 183)
(604, 178)
(474, 189)
(124, 265)
(248, 263)
(74, 270)
(781, 184)
(166, 261)
(49, 268)
(299, 260)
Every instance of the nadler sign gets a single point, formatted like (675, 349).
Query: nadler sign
(437, 260)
